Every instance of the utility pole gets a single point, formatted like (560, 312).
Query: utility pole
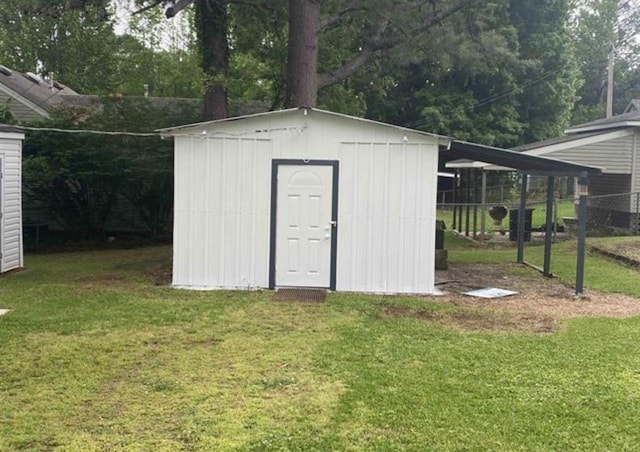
(610, 81)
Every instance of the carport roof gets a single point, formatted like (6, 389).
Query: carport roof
(530, 164)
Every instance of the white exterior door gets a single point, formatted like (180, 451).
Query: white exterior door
(303, 225)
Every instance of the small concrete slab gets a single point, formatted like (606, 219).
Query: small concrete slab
(4, 311)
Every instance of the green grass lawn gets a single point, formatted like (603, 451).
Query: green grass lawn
(96, 357)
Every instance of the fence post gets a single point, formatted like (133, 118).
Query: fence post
(546, 270)
(637, 228)
(555, 216)
(455, 198)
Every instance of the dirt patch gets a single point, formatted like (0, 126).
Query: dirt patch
(101, 278)
(104, 282)
(625, 249)
(161, 275)
(540, 305)
(621, 255)
(480, 319)
(11, 272)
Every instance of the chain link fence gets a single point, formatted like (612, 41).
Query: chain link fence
(607, 215)
(616, 214)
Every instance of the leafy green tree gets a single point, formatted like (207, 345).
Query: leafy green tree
(74, 178)
(549, 76)
(496, 75)
(74, 43)
(78, 179)
(598, 25)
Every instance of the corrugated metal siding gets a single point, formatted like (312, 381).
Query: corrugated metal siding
(221, 229)
(387, 190)
(615, 156)
(387, 211)
(10, 153)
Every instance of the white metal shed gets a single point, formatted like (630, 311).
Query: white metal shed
(304, 198)
(11, 254)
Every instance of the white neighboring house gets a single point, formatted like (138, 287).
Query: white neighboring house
(11, 254)
(304, 198)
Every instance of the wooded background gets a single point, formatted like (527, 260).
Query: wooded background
(501, 72)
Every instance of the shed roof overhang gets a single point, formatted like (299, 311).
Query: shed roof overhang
(511, 160)
(7, 131)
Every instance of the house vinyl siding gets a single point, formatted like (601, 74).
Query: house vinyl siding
(11, 193)
(635, 180)
(608, 184)
(19, 109)
(614, 156)
(386, 200)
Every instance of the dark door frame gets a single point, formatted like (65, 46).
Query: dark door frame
(275, 165)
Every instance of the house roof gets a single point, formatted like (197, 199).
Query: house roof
(28, 87)
(41, 95)
(557, 140)
(630, 119)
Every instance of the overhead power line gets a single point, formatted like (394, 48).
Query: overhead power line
(203, 134)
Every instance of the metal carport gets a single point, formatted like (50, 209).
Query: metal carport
(469, 154)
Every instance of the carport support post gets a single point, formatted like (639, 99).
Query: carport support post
(583, 190)
(483, 200)
(548, 230)
(521, 218)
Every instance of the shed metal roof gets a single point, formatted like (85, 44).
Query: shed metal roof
(11, 132)
(451, 149)
(9, 129)
(173, 130)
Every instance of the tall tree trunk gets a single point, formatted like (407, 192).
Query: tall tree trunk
(302, 59)
(211, 21)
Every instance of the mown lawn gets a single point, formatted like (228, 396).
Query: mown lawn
(96, 357)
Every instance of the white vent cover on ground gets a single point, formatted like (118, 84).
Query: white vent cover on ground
(491, 292)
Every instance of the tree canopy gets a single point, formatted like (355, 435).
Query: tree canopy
(501, 72)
